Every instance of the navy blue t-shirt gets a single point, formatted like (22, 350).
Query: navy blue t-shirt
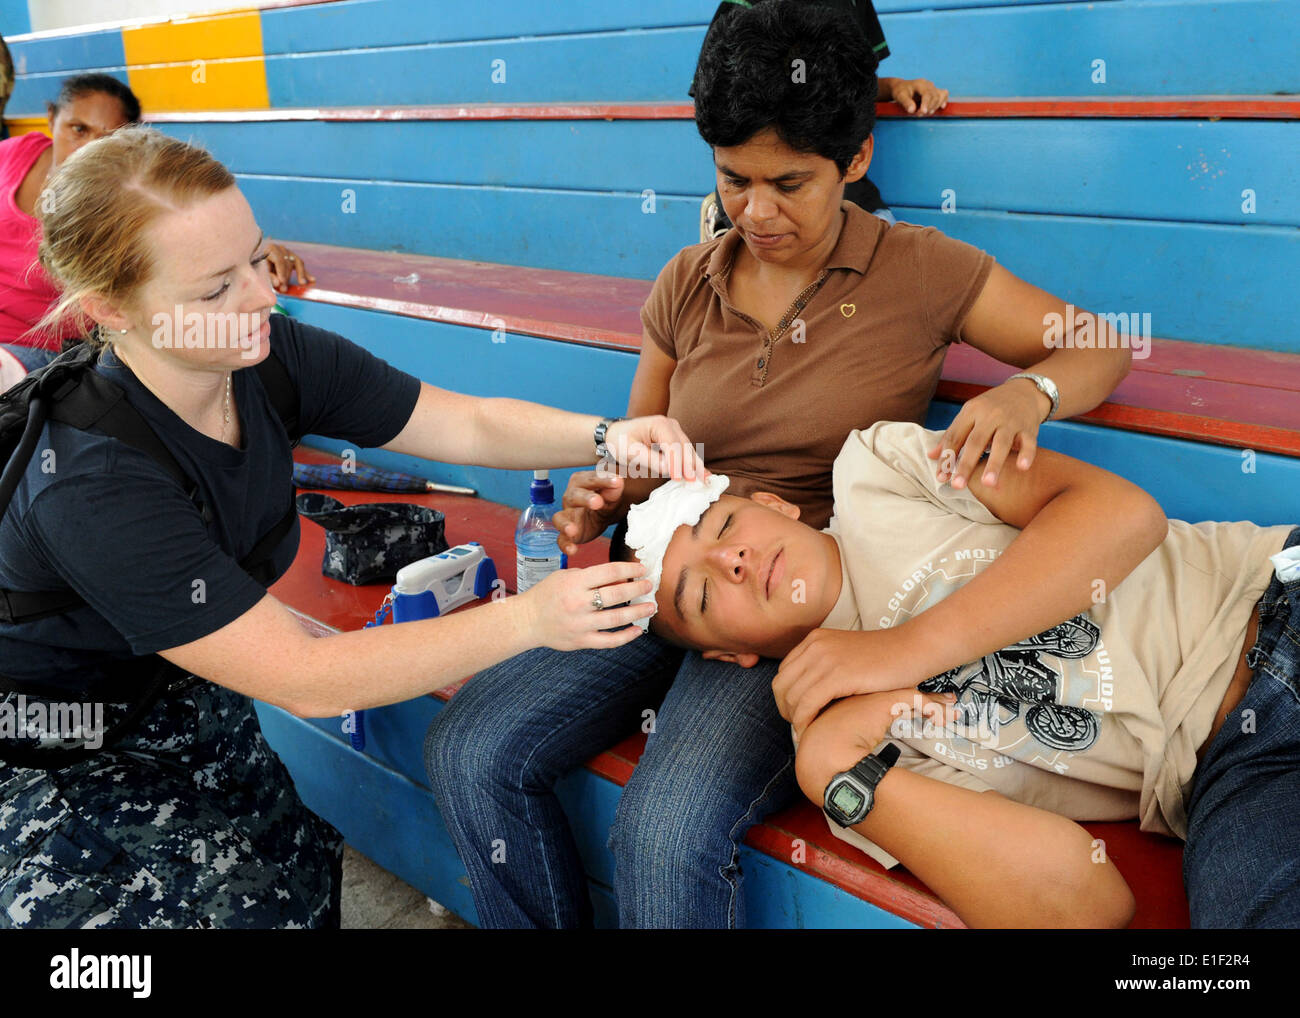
(104, 519)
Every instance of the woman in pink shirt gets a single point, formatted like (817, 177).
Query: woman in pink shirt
(89, 106)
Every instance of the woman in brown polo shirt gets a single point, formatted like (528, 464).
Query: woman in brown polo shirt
(810, 318)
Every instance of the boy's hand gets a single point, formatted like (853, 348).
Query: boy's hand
(916, 95)
(831, 663)
(850, 729)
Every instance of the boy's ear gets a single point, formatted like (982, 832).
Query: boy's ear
(744, 660)
(766, 498)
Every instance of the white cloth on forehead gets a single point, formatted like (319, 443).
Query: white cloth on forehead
(652, 523)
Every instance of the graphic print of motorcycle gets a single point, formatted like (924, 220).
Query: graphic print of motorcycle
(999, 684)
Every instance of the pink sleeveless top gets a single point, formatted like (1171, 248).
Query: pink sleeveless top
(26, 292)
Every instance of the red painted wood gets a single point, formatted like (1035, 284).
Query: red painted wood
(1152, 865)
(1177, 107)
(1245, 398)
(569, 306)
(799, 836)
(1224, 395)
(1283, 441)
(1212, 107)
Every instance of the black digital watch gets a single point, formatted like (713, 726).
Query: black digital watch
(851, 794)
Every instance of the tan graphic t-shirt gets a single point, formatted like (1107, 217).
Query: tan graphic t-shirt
(1097, 718)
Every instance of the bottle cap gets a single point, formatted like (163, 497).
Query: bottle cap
(541, 491)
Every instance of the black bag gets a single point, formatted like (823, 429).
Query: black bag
(369, 543)
(69, 391)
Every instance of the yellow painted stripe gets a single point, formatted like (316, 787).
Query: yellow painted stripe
(26, 125)
(202, 63)
(238, 84)
(230, 34)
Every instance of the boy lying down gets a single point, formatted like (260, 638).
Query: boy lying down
(969, 671)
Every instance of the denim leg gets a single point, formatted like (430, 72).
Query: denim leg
(718, 761)
(496, 751)
(1242, 861)
(31, 357)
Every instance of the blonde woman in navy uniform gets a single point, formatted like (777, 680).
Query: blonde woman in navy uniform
(189, 819)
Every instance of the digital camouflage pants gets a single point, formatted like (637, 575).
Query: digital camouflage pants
(190, 821)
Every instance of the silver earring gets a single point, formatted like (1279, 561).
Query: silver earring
(122, 331)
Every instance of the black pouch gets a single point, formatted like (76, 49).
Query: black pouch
(369, 543)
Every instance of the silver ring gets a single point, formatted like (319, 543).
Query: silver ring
(597, 603)
(292, 258)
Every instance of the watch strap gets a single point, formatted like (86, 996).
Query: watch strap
(602, 449)
(871, 769)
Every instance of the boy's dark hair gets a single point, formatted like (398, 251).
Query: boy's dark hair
(80, 85)
(747, 79)
(620, 552)
(618, 549)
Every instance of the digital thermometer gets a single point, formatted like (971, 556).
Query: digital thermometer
(435, 585)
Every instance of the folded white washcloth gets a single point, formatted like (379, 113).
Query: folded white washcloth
(652, 523)
(1286, 563)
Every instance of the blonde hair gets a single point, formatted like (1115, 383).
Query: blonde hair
(97, 206)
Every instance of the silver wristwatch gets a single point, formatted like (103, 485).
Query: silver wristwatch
(602, 449)
(1047, 387)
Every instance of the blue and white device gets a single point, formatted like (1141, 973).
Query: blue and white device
(435, 585)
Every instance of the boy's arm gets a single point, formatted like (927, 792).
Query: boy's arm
(995, 862)
(1083, 529)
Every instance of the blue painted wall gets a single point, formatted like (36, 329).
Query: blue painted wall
(1113, 215)
(407, 51)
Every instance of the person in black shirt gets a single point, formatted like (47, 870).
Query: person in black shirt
(190, 819)
(918, 96)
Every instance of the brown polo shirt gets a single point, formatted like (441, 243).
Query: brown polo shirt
(773, 411)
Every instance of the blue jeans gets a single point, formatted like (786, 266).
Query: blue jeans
(31, 357)
(1242, 862)
(718, 760)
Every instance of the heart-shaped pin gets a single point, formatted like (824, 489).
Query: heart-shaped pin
(847, 310)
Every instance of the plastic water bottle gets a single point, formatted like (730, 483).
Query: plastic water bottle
(537, 544)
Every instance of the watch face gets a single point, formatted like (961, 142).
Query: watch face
(846, 799)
